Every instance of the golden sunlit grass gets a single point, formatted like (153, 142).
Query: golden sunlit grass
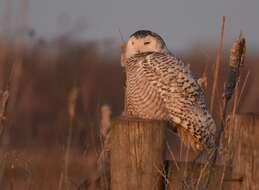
(52, 127)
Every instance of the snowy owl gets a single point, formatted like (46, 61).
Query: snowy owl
(159, 86)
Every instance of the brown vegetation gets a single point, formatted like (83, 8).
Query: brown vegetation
(41, 76)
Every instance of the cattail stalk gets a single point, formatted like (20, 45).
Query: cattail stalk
(237, 58)
(123, 64)
(217, 65)
(7, 15)
(24, 13)
(71, 113)
(10, 88)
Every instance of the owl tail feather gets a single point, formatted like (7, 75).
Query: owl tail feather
(187, 139)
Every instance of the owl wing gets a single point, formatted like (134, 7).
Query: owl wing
(182, 95)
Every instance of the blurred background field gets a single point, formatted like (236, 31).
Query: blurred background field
(44, 75)
(41, 71)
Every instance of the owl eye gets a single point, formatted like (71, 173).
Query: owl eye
(146, 43)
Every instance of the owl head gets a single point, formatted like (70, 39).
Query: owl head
(145, 41)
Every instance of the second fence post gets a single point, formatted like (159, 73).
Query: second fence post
(137, 148)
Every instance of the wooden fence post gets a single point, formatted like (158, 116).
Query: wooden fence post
(137, 148)
(246, 151)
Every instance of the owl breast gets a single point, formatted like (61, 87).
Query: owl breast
(143, 100)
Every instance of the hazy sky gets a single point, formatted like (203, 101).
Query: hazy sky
(180, 22)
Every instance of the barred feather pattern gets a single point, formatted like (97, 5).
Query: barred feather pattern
(159, 86)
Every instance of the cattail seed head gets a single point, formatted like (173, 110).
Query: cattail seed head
(123, 53)
(237, 52)
(72, 102)
(105, 119)
(237, 58)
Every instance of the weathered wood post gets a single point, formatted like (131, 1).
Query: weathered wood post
(137, 148)
(246, 151)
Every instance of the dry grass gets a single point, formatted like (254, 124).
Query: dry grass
(37, 115)
(237, 55)
(217, 65)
